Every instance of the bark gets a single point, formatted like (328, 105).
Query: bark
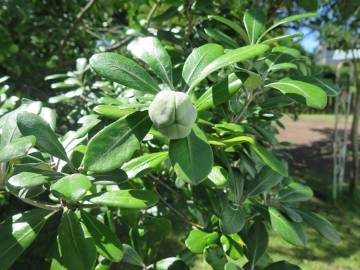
(355, 166)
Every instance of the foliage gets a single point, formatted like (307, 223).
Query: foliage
(115, 189)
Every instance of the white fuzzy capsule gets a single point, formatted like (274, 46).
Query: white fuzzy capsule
(173, 114)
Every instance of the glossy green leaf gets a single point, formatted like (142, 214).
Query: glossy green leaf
(198, 60)
(232, 245)
(256, 242)
(309, 94)
(291, 213)
(326, 85)
(134, 199)
(27, 180)
(71, 187)
(232, 266)
(232, 219)
(106, 241)
(236, 27)
(172, 263)
(18, 232)
(254, 22)
(151, 51)
(46, 140)
(191, 157)
(198, 240)
(285, 228)
(267, 157)
(295, 192)
(113, 111)
(218, 176)
(288, 20)
(219, 93)
(116, 143)
(215, 256)
(282, 265)
(143, 163)
(124, 71)
(229, 58)
(264, 181)
(323, 226)
(131, 256)
(282, 66)
(77, 251)
(17, 148)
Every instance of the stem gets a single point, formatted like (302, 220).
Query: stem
(151, 14)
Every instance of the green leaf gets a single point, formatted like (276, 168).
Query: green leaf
(266, 156)
(150, 50)
(116, 143)
(232, 266)
(113, 111)
(114, 177)
(27, 180)
(133, 199)
(198, 60)
(172, 263)
(198, 240)
(309, 94)
(18, 232)
(218, 176)
(215, 256)
(323, 226)
(124, 71)
(326, 85)
(232, 245)
(282, 66)
(17, 148)
(277, 38)
(76, 250)
(143, 163)
(236, 27)
(8, 126)
(219, 93)
(88, 123)
(220, 37)
(291, 213)
(229, 58)
(254, 22)
(232, 219)
(256, 242)
(71, 187)
(264, 181)
(286, 228)
(191, 157)
(131, 256)
(46, 140)
(288, 20)
(106, 241)
(282, 265)
(295, 192)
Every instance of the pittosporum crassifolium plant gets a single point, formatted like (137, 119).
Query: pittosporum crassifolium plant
(191, 157)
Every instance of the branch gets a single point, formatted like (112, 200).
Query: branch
(78, 19)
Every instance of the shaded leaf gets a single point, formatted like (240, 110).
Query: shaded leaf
(232, 219)
(215, 256)
(46, 140)
(256, 242)
(295, 192)
(191, 157)
(264, 181)
(236, 27)
(131, 256)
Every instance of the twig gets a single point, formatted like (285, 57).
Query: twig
(119, 44)
(78, 19)
(158, 180)
(187, 5)
(177, 212)
(151, 14)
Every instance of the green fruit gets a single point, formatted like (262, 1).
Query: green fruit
(173, 114)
